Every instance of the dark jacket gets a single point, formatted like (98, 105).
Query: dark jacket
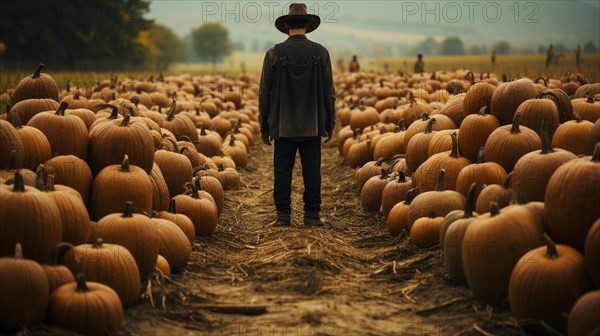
(297, 96)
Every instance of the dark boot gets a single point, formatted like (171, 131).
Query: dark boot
(284, 218)
(312, 218)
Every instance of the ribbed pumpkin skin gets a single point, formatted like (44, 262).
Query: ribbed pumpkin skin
(533, 111)
(425, 232)
(73, 172)
(483, 174)
(27, 108)
(371, 193)
(113, 187)
(163, 266)
(212, 186)
(583, 318)
(201, 209)
(174, 245)
(36, 148)
(394, 193)
(571, 200)
(110, 141)
(181, 220)
(545, 288)
(508, 96)
(573, 136)
(521, 142)
(109, 264)
(587, 109)
(10, 140)
(474, 132)
(66, 134)
(24, 292)
(73, 214)
(478, 96)
(38, 85)
(97, 311)
(160, 190)
(491, 247)
(29, 217)
(176, 169)
(134, 232)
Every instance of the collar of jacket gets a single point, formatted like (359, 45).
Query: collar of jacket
(297, 37)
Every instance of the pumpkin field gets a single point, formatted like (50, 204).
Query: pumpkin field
(456, 202)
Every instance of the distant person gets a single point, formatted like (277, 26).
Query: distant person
(549, 56)
(493, 57)
(419, 64)
(578, 55)
(354, 66)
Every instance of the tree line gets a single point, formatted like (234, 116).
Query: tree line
(98, 35)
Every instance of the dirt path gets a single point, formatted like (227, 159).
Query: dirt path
(348, 278)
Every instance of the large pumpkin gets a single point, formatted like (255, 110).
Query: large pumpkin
(571, 200)
(180, 125)
(173, 244)
(588, 109)
(546, 282)
(135, 232)
(111, 140)
(29, 217)
(38, 85)
(67, 134)
(483, 173)
(27, 108)
(508, 96)
(36, 148)
(474, 132)
(73, 172)
(176, 168)
(109, 264)
(534, 111)
(89, 308)
(24, 292)
(493, 244)
(534, 169)
(478, 97)
(117, 184)
(73, 214)
(521, 140)
(573, 136)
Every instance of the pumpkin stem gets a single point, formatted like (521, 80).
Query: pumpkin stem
(424, 116)
(232, 140)
(561, 112)
(98, 243)
(482, 111)
(61, 109)
(410, 195)
(49, 186)
(596, 155)
(56, 250)
(81, 285)
(355, 133)
(472, 77)
(18, 251)
(384, 175)
(516, 123)
(440, 180)
(171, 113)
(19, 184)
(114, 114)
(429, 126)
(183, 149)
(172, 206)
(551, 252)
(202, 130)
(128, 212)
(577, 118)
(12, 162)
(544, 80)
(185, 138)
(494, 209)
(454, 152)
(194, 190)
(15, 120)
(402, 124)
(546, 144)
(520, 197)
(455, 90)
(470, 202)
(125, 121)
(38, 71)
(125, 164)
(40, 176)
(401, 177)
(506, 182)
(480, 156)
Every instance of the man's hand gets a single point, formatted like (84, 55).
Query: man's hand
(328, 138)
(265, 139)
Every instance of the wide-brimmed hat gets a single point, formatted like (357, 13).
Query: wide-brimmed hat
(298, 11)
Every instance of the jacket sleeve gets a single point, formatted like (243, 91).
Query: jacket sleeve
(264, 92)
(330, 97)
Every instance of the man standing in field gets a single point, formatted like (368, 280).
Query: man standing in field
(297, 109)
(549, 56)
(419, 64)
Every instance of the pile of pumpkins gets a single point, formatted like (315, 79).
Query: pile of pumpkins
(503, 176)
(101, 187)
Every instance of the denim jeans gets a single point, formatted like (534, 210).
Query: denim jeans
(283, 162)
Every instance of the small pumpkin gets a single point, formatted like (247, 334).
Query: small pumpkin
(508, 96)
(201, 208)
(173, 244)
(417, 147)
(371, 193)
(474, 132)
(71, 171)
(394, 192)
(181, 220)
(176, 168)
(397, 220)
(425, 232)
(483, 173)
(212, 186)
(478, 97)
(573, 136)
(89, 308)
(56, 273)
(587, 108)
(163, 266)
